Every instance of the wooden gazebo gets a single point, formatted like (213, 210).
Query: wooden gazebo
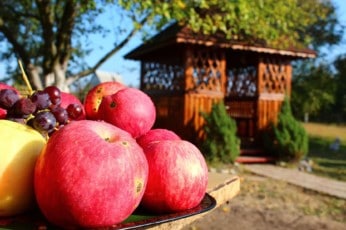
(185, 73)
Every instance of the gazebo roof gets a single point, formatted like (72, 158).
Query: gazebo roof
(176, 34)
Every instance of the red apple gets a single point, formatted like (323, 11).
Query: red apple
(3, 112)
(69, 98)
(154, 135)
(129, 109)
(178, 176)
(94, 97)
(90, 174)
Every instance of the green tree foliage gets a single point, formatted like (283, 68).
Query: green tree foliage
(50, 36)
(288, 22)
(340, 92)
(287, 139)
(221, 143)
(319, 90)
(313, 90)
(326, 31)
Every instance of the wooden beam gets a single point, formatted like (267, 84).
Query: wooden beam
(289, 78)
(223, 69)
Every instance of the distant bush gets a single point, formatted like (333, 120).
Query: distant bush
(221, 143)
(287, 139)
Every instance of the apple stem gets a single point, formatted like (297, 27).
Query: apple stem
(25, 77)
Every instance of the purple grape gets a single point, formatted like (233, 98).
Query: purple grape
(41, 99)
(74, 111)
(24, 106)
(54, 94)
(60, 115)
(7, 98)
(44, 121)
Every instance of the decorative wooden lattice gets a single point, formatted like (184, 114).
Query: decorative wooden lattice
(242, 82)
(162, 77)
(274, 76)
(207, 71)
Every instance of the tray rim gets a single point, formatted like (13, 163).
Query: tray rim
(38, 221)
(173, 216)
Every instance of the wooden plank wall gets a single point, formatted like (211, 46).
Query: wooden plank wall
(181, 114)
(169, 112)
(195, 103)
(244, 112)
(270, 96)
(268, 111)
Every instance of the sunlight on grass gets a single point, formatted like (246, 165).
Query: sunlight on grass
(327, 162)
(329, 132)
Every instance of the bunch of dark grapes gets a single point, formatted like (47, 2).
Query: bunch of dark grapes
(41, 109)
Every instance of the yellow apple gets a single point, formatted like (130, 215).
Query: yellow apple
(20, 146)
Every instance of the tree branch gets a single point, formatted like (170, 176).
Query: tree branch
(66, 25)
(10, 7)
(47, 23)
(17, 47)
(91, 70)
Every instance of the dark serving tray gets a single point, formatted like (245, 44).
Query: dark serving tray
(139, 219)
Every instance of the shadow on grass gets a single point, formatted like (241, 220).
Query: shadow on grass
(335, 164)
(319, 147)
(327, 162)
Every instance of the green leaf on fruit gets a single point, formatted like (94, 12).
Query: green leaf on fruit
(138, 217)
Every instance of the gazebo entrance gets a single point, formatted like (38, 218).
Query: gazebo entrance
(255, 90)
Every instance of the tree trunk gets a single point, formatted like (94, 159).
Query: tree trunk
(34, 74)
(57, 78)
(60, 78)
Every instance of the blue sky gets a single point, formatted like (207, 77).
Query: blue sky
(129, 70)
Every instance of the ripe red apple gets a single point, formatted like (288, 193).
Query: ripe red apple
(178, 176)
(94, 97)
(129, 109)
(154, 135)
(90, 174)
(69, 98)
(3, 112)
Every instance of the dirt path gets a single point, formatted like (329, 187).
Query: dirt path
(270, 204)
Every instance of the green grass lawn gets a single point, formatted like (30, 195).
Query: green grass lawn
(327, 162)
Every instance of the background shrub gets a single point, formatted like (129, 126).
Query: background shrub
(287, 139)
(221, 143)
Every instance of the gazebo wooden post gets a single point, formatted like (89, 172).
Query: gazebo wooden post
(141, 85)
(200, 94)
(259, 107)
(188, 56)
(188, 84)
(273, 84)
(223, 68)
(288, 67)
